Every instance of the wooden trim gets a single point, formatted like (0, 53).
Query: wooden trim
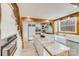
(18, 21)
(34, 19)
(0, 13)
(38, 19)
(61, 18)
(22, 39)
(73, 15)
(0, 27)
(52, 25)
(0, 19)
(16, 14)
(23, 18)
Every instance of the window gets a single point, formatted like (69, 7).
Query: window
(68, 25)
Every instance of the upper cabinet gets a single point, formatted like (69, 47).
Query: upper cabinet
(68, 25)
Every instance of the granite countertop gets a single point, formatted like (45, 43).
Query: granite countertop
(75, 40)
(55, 48)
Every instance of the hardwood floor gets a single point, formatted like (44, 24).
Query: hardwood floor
(29, 49)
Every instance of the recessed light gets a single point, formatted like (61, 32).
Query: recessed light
(75, 6)
(47, 21)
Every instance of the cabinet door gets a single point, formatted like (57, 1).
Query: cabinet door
(73, 48)
(38, 47)
(77, 49)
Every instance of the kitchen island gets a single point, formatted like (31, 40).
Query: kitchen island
(56, 49)
(50, 48)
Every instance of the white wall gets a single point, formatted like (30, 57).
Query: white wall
(8, 25)
(28, 32)
(25, 30)
(55, 27)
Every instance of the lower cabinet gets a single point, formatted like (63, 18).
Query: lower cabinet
(74, 48)
(40, 49)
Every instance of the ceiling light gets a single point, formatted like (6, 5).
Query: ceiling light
(75, 6)
(47, 20)
(28, 18)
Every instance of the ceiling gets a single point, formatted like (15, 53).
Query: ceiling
(46, 10)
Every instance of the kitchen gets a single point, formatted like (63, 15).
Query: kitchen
(52, 32)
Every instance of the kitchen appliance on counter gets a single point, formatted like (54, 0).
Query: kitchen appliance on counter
(9, 45)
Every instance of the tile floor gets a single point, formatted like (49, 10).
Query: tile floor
(29, 49)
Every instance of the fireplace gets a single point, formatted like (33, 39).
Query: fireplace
(10, 45)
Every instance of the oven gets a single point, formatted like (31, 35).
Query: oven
(10, 45)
